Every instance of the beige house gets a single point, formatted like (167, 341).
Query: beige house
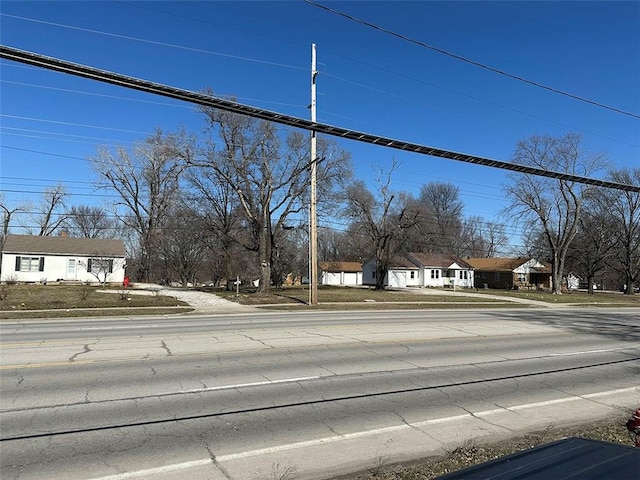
(510, 273)
(28, 258)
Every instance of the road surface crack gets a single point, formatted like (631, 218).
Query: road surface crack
(85, 350)
(212, 456)
(484, 419)
(164, 346)
(256, 340)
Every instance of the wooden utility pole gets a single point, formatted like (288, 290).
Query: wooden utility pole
(313, 226)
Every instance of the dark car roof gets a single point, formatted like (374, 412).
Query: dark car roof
(572, 458)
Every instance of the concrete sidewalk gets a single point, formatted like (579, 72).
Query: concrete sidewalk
(505, 298)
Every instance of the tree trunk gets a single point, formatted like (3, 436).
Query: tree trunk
(556, 280)
(629, 286)
(265, 256)
(590, 284)
(381, 272)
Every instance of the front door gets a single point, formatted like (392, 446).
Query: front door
(71, 269)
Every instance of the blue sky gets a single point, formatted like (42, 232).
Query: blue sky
(368, 81)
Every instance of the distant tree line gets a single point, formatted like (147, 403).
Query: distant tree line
(234, 203)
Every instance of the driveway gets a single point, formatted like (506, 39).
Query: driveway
(202, 302)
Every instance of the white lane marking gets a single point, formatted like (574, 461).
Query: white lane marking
(155, 471)
(587, 352)
(242, 385)
(355, 435)
(376, 431)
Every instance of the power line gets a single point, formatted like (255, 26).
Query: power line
(57, 122)
(377, 67)
(154, 42)
(81, 92)
(44, 153)
(469, 61)
(113, 78)
(494, 104)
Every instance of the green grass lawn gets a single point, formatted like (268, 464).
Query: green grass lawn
(345, 295)
(368, 298)
(22, 299)
(579, 297)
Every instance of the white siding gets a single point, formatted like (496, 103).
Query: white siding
(397, 278)
(342, 278)
(56, 267)
(352, 278)
(433, 277)
(330, 278)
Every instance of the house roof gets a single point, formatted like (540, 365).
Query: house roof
(341, 266)
(28, 244)
(439, 260)
(401, 262)
(497, 264)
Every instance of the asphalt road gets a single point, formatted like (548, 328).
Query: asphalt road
(310, 396)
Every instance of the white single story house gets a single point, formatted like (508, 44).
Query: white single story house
(28, 258)
(401, 272)
(341, 273)
(423, 270)
(439, 270)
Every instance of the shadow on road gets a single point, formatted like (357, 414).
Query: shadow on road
(621, 324)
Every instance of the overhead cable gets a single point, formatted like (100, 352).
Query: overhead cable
(467, 60)
(106, 76)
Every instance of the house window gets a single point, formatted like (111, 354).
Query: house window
(29, 264)
(435, 274)
(463, 275)
(373, 274)
(497, 276)
(99, 265)
(522, 278)
(413, 275)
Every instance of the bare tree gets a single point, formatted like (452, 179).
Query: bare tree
(218, 204)
(269, 176)
(383, 219)
(481, 238)
(147, 180)
(596, 240)
(552, 205)
(624, 208)
(183, 248)
(7, 213)
(86, 221)
(441, 218)
(49, 214)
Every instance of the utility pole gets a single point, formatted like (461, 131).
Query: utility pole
(313, 227)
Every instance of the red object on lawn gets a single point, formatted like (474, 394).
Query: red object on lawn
(633, 425)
